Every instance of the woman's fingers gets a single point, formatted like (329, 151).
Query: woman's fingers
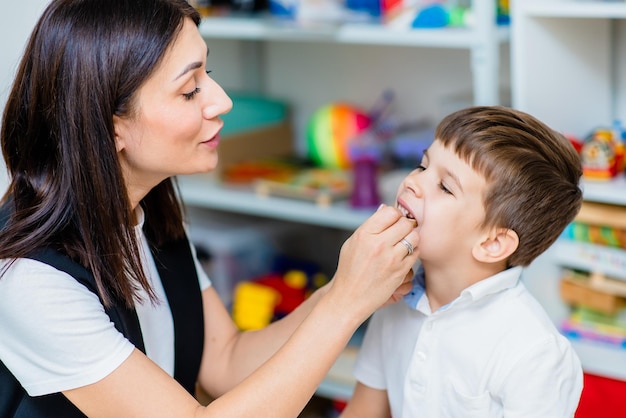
(404, 288)
(393, 229)
(375, 263)
(381, 220)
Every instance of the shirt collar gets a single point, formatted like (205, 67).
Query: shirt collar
(140, 216)
(416, 298)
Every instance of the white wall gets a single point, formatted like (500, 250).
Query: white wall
(16, 22)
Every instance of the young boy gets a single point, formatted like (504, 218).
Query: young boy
(494, 190)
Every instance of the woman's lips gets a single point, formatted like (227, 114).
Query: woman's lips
(213, 142)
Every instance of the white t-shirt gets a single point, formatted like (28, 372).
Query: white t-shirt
(55, 334)
(492, 352)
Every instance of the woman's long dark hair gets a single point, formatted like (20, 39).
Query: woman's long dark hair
(84, 63)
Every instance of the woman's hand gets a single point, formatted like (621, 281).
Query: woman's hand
(375, 266)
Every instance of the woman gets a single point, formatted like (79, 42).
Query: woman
(103, 309)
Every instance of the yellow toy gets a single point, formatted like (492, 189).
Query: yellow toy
(257, 303)
(254, 304)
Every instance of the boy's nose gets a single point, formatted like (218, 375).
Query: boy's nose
(413, 183)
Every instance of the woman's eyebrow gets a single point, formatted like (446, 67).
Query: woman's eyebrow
(190, 67)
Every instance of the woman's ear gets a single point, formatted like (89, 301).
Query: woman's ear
(119, 129)
(497, 246)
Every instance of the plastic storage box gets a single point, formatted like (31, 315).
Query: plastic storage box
(232, 249)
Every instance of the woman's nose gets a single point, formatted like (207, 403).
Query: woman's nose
(218, 102)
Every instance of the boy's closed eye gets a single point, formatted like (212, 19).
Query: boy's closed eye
(443, 187)
(441, 184)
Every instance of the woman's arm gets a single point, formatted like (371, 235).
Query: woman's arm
(364, 261)
(367, 402)
(373, 264)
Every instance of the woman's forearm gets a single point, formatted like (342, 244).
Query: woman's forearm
(282, 386)
(250, 349)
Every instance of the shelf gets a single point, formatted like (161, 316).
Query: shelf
(601, 360)
(340, 382)
(575, 9)
(612, 191)
(203, 191)
(594, 258)
(268, 28)
(431, 38)
(569, 49)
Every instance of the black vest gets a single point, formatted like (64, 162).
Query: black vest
(176, 267)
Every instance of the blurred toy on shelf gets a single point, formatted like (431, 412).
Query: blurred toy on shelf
(594, 333)
(380, 145)
(433, 14)
(253, 305)
(503, 13)
(267, 298)
(365, 159)
(598, 307)
(593, 282)
(320, 185)
(598, 223)
(593, 291)
(429, 14)
(576, 142)
(208, 8)
(330, 130)
(602, 153)
(441, 14)
(407, 148)
(290, 177)
(325, 12)
(247, 171)
(596, 234)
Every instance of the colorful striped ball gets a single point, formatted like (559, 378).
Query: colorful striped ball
(329, 132)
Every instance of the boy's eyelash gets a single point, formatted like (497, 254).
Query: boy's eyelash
(444, 188)
(441, 185)
(189, 96)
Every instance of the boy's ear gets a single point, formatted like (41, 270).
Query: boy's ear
(498, 245)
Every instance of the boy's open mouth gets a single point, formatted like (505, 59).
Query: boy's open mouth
(405, 212)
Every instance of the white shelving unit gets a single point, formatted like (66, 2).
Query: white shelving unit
(204, 192)
(568, 62)
(482, 40)
(569, 69)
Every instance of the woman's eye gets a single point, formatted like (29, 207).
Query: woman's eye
(420, 168)
(189, 96)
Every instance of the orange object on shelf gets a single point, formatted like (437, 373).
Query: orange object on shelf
(590, 294)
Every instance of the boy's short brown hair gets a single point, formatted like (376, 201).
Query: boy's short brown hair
(532, 173)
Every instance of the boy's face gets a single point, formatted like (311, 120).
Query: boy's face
(445, 196)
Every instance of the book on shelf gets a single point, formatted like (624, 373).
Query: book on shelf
(598, 308)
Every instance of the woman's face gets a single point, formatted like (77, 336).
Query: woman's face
(175, 126)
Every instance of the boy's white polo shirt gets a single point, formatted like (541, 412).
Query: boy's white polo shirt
(492, 352)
